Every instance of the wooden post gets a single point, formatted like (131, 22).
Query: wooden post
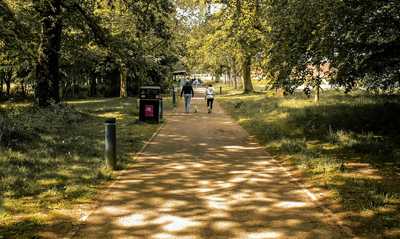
(110, 149)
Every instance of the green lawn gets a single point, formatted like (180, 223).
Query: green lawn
(346, 144)
(52, 160)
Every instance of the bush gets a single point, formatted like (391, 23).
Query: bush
(293, 146)
(19, 126)
(12, 132)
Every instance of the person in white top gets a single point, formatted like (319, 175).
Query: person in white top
(210, 97)
(196, 83)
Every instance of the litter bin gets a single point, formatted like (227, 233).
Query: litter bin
(150, 104)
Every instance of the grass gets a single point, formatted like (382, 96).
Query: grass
(229, 89)
(52, 159)
(347, 144)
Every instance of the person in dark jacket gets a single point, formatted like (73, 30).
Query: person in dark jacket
(188, 93)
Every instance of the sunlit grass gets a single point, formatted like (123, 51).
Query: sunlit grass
(56, 158)
(229, 88)
(328, 141)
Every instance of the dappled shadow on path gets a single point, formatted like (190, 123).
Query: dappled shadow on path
(203, 178)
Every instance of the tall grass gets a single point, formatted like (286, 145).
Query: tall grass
(326, 139)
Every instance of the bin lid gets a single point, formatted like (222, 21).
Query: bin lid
(151, 87)
(181, 72)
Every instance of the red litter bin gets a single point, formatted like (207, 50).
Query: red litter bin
(148, 111)
(150, 104)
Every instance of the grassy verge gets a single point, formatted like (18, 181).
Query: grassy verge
(52, 159)
(229, 89)
(347, 144)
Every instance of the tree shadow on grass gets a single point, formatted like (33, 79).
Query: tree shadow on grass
(35, 228)
(355, 137)
(373, 205)
(64, 163)
(370, 128)
(20, 229)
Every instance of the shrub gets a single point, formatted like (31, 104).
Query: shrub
(12, 132)
(293, 146)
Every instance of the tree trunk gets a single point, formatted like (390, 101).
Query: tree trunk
(23, 90)
(71, 88)
(47, 68)
(77, 89)
(67, 89)
(248, 86)
(317, 94)
(225, 78)
(8, 86)
(317, 86)
(123, 80)
(55, 56)
(93, 86)
(1, 86)
(62, 90)
(7, 75)
(229, 76)
(235, 76)
(217, 77)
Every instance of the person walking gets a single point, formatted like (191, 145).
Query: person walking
(210, 97)
(196, 83)
(188, 93)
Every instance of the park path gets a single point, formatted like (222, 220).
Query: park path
(203, 177)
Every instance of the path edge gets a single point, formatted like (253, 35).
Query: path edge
(148, 142)
(97, 203)
(312, 196)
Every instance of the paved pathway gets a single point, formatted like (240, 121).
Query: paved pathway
(202, 177)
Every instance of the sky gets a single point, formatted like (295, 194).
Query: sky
(193, 16)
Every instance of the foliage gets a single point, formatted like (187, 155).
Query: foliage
(346, 43)
(359, 39)
(99, 40)
(226, 40)
(16, 53)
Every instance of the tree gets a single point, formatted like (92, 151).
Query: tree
(368, 43)
(71, 38)
(358, 39)
(223, 38)
(47, 68)
(246, 31)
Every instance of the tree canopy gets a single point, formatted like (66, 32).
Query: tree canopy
(63, 48)
(354, 42)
